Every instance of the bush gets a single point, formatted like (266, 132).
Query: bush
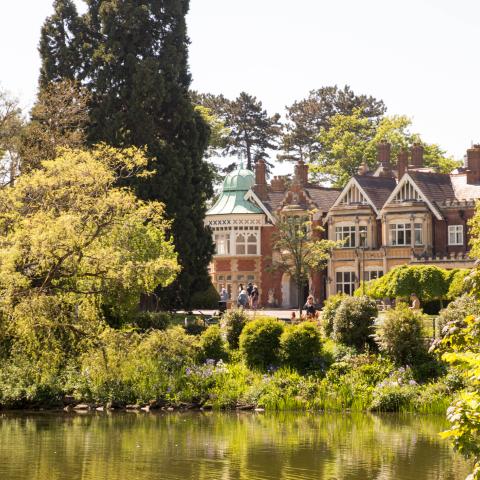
(328, 312)
(153, 320)
(194, 325)
(460, 283)
(208, 298)
(399, 335)
(458, 310)
(353, 321)
(233, 322)
(260, 342)
(212, 345)
(301, 346)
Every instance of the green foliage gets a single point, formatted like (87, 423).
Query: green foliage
(306, 117)
(212, 345)
(399, 334)
(352, 139)
(329, 310)
(233, 322)
(299, 249)
(456, 311)
(250, 131)
(461, 347)
(353, 321)
(152, 320)
(459, 282)
(208, 298)
(301, 347)
(260, 342)
(429, 282)
(136, 72)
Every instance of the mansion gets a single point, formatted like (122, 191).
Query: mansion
(389, 217)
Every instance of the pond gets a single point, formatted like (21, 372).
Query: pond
(249, 446)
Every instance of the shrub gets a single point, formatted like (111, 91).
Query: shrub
(212, 345)
(260, 342)
(208, 298)
(460, 283)
(353, 321)
(399, 335)
(328, 312)
(233, 322)
(152, 320)
(194, 325)
(301, 346)
(458, 310)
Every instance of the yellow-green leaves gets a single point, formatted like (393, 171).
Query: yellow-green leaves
(68, 230)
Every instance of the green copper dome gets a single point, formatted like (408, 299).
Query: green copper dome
(239, 180)
(232, 198)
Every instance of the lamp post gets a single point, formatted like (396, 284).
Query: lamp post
(363, 242)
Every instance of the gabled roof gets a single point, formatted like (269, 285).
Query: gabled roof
(376, 190)
(431, 187)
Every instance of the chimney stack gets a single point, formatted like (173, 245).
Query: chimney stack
(277, 184)
(383, 158)
(417, 155)
(473, 164)
(402, 163)
(301, 172)
(261, 179)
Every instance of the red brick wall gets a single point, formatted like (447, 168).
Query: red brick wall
(223, 265)
(269, 280)
(246, 265)
(457, 217)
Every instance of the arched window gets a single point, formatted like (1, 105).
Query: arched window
(246, 244)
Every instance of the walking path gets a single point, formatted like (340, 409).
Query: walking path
(279, 313)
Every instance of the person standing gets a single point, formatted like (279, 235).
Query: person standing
(222, 304)
(249, 293)
(254, 296)
(242, 300)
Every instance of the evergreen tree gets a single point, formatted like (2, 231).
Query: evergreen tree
(252, 132)
(306, 117)
(134, 57)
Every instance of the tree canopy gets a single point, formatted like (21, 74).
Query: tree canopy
(351, 140)
(252, 132)
(306, 117)
(132, 58)
(75, 245)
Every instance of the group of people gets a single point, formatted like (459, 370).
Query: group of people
(248, 297)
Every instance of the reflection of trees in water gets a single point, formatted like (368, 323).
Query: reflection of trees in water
(225, 446)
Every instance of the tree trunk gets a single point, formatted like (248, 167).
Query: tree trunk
(300, 302)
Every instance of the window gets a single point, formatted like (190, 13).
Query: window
(222, 243)
(362, 236)
(401, 233)
(418, 233)
(372, 274)
(345, 282)
(347, 234)
(246, 244)
(455, 234)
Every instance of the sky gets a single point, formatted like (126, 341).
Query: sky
(419, 56)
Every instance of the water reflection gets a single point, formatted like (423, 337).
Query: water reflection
(225, 446)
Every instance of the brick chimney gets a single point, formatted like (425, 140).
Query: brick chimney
(473, 164)
(402, 163)
(383, 158)
(261, 179)
(301, 172)
(417, 156)
(277, 184)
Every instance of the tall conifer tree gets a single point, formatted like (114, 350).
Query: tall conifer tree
(132, 55)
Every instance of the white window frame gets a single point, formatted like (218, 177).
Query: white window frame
(341, 282)
(347, 232)
(222, 243)
(455, 235)
(396, 228)
(367, 274)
